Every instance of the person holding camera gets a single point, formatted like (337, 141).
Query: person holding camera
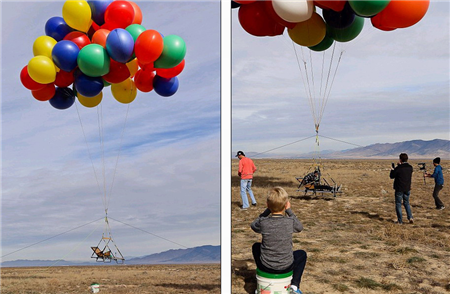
(402, 174)
(438, 182)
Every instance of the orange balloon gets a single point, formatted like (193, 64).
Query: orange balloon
(401, 13)
(137, 13)
(100, 37)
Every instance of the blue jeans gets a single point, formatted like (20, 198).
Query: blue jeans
(402, 197)
(246, 186)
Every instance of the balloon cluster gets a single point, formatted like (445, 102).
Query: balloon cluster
(341, 20)
(101, 43)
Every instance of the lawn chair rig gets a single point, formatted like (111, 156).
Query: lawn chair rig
(102, 252)
(320, 186)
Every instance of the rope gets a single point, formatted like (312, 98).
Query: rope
(74, 248)
(118, 156)
(31, 245)
(149, 233)
(100, 134)
(88, 149)
(283, 146)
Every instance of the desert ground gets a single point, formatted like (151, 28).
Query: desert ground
(121, 279)
(352, 243)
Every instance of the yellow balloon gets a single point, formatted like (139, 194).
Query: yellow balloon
(310, 32)
(124, 92)
(90, 101)
(43, 45)
(42, 69)
(77, 14)
(133, 67)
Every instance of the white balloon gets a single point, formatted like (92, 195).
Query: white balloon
(293, 10)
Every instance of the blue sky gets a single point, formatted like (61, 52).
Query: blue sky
(167, 180)
(390, 87)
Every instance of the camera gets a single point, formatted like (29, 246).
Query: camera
(393, 165)
(422, 166)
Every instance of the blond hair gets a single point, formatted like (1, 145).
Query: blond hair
(277, 199)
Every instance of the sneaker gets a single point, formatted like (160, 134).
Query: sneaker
(254, 204)
(411, 221)
(243, 208)
(441, 208)
(292, 291)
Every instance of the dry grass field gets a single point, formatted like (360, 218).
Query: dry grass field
(122, 279)
(353, 246)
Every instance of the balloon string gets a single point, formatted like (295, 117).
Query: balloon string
(87, 146)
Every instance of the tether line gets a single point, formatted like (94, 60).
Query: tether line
(52, 237)
(147, 232)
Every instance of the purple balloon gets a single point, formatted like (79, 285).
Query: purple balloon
(98, 8)
(120, 45)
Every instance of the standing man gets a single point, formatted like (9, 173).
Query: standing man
(438, 182)
(246, 170)
(402, 174)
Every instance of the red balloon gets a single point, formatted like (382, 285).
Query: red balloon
(402, 13)
(244, 1)
(45, 93)
(271, 12)
(79, 38)
(376, 24)
(137, 13)
(64, 78)
(170, 72)
(28, 82)
(147, 66)
(336, 5)
(119, 14)
(257, 22)
(118, 72)
(144, 80)
(149, 46)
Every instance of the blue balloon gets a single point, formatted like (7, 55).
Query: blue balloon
(63, 98)
(57, 28)
(120, 45)
(98, 8)
(165, 87)
(88, 86)
(65, 54)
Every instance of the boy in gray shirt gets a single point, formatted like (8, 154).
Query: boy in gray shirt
(277, 224)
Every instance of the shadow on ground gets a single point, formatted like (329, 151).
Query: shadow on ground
(262, 181)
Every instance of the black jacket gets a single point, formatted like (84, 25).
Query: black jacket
(402, 175)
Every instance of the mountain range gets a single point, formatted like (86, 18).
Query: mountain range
(201, 254)
(416, 149)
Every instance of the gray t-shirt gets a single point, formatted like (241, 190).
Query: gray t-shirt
(277, 230)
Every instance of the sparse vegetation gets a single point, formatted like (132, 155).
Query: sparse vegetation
(123, 279)
(352, 243)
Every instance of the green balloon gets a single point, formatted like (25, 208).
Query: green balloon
(173, 53)
(348, 33)
(93, 60)
(135, 30)
(324, 44)
(367, 8)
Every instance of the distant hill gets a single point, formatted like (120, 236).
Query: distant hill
(418, 149)
(414, 149)
(201, 254)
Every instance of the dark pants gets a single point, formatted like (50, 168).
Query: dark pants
(437, 201)
(297, 267)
